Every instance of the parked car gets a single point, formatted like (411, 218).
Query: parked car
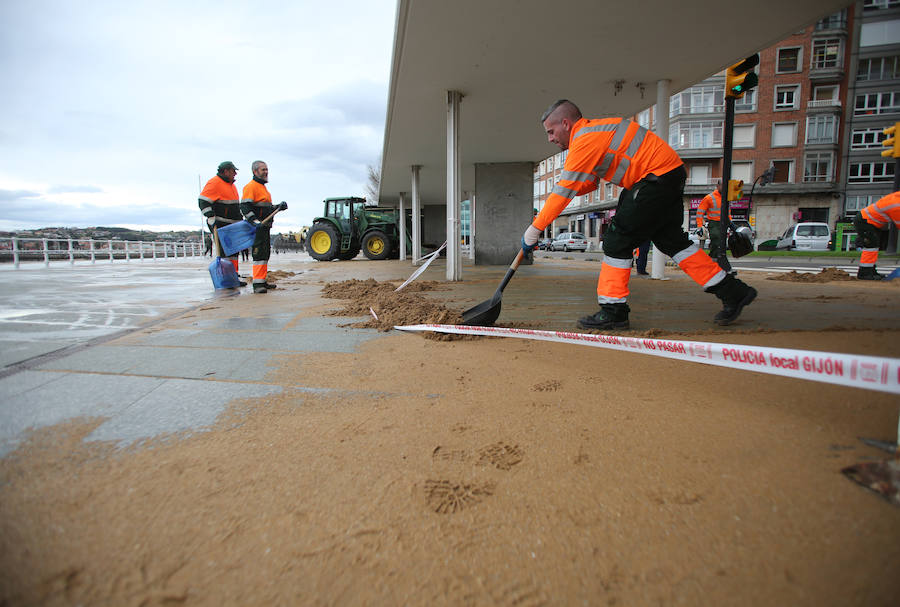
(544, 244)
(569, 241)
(805, 236)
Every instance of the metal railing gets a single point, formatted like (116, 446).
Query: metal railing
(815, 103)
(16, 250)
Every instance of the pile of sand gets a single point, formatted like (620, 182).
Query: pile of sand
(826, 275)
(406, 307)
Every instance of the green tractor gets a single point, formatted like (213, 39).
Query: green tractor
(348, 226)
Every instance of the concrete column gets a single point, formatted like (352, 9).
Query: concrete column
(504, 210)
(454, 268)
(472, 225)
(658, 265)
(402, 214)
(416, 214)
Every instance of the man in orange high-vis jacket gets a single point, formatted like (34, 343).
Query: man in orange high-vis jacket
(256, 205)
(219, 204)
(877, 216)
(650, 208)
(708, 213)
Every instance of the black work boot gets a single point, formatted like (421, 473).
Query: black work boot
(610, 316)
(259, 287)
(271, 286)
(735, 294)
(868, 274)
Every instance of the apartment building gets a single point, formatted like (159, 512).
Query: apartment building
(825, 93)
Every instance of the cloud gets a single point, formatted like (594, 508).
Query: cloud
(15, 195)
(33, 212)
(127, 106)
(70, 189)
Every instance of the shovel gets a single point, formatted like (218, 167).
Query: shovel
(485, 313)
(239, 236)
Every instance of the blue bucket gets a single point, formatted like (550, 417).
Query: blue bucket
(893, 275)
(223, 274)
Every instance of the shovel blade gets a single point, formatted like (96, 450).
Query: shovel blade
(236, 237)
(484, 314)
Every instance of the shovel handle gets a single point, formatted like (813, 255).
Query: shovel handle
(512, 270)
(271, 215)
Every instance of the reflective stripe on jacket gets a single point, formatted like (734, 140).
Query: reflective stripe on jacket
(613, 149)
(880, 213)
(710, 208)
(219, 199)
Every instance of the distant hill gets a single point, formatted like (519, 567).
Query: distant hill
(106, 233)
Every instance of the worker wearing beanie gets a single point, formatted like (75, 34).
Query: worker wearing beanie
(709, 214)
(219, 203)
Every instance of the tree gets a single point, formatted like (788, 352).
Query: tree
(374, 182)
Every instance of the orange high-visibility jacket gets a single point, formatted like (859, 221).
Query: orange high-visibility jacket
(616, 150)
(710, 208)
(256, 202)
(220, 199)
(880, 213)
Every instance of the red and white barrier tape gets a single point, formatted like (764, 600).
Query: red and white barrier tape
(857, 371)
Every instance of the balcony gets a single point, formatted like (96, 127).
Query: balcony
(711, 152)
(824, 105)
(695, 187)
(826, 71)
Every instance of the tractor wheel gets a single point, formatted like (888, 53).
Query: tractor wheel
(350, 253)
(376, 245)
(323, 242)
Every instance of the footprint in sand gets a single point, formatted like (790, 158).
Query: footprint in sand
(500, 455)
(448, 497)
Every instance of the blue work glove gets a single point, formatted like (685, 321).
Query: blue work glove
(527, 248)
(530, 239)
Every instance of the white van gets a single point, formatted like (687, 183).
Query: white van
(806, 236)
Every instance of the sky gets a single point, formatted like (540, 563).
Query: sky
(116, 113)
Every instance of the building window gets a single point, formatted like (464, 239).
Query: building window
(874, 5)
(787, 97)
(835, 21)
(864, 139)
(827, 94)
(821, 129)
(856, 203)
(643, 119)
(826, 53)
(699, 174)
(788, 60)
(698, 100)
(747, 103)
(742, 170)
(784, 171)
(744, 136)
(610, 191)
(817, 166)
(876, 103)
(696, 134)
(871, 172)
(784, 134)
(879, 68)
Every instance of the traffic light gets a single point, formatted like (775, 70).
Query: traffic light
(891, 143)
(735, 189)
(740, 77)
